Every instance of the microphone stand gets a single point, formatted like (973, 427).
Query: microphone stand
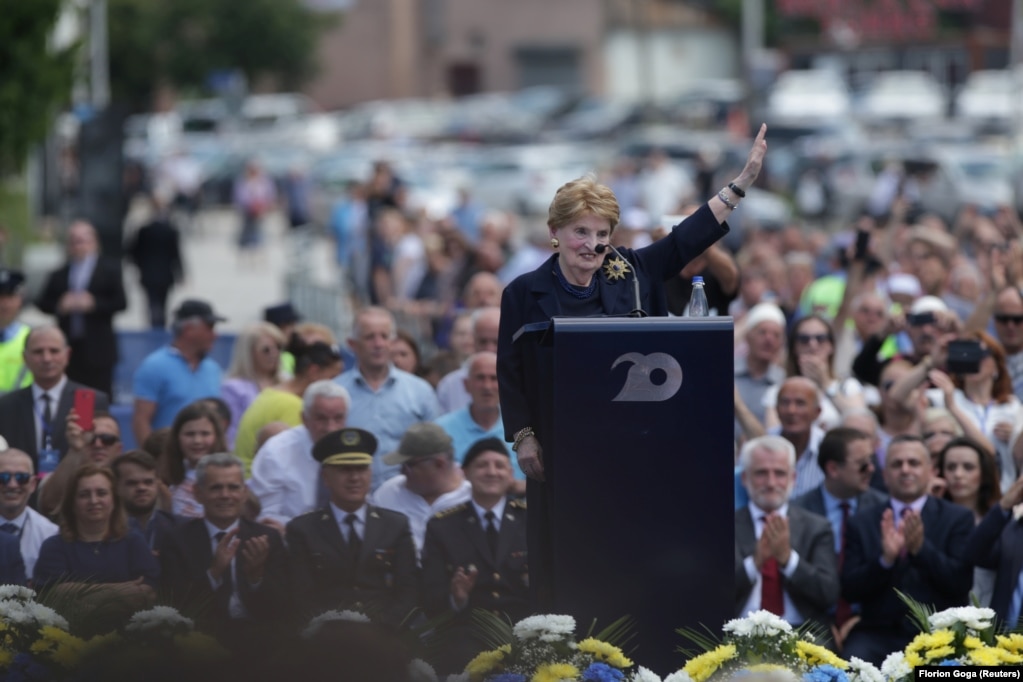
(637, 311)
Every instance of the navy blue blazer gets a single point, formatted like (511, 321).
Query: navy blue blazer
(523, 367)
(12, 566)
(997, 543)
(938, 575)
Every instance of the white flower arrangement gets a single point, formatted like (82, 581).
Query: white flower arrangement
(16, 592)
(645, 675)
(165, 618)
(758, 624)
(19, 613)
(678, 676)
(546, 628)
(421, 671)
(328, 616)
(895, 667)
(975, 619)
(862, 671)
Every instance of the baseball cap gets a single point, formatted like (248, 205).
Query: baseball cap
(195, 308)
(424, 439)
(10, 281)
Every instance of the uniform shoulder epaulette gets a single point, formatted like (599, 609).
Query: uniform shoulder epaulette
(451, 510)
(517, 504)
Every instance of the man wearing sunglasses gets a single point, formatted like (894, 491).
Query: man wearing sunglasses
(1008, 317)
(846, 456)
(17, 483)
(101, 446)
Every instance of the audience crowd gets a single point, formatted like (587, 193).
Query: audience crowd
(878, 381)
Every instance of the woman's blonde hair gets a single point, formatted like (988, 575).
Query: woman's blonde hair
(242, 365)
(579, 197)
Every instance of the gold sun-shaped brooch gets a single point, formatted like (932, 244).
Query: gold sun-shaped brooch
(616, 269)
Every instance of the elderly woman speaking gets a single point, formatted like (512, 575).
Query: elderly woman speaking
(577, 281)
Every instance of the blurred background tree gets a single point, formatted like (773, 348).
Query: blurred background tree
(35, 77)
(182, 42)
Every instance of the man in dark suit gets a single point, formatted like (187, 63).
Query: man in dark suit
(84, 295)
(12, 566)
(138, 487)
(349, 554)
(156, 252)
(231, 568)
(915, 545)
(474, 555)
(997, 543)
(846, 456)
(33, 419)
(784, 555)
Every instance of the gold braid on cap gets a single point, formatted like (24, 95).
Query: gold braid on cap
(521, 435)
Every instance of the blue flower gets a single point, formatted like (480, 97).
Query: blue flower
(508, 677)
(825, 673)
(951, 661)
(602, 672)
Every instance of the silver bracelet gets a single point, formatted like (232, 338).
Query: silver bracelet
(726, 201)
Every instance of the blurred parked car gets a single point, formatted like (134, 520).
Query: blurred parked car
(988, 97)
(903, 96)
(810, 94)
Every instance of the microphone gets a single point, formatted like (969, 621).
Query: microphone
(638, 309)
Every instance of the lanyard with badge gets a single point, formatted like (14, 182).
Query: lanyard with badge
(49, 456)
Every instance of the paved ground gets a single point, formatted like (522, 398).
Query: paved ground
(238, 290)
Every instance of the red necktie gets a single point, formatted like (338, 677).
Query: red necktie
(771, 596)
(843, 611)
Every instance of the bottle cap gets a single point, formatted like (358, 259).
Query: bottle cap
(698, 278)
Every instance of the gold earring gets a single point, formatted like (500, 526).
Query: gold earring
(555, 243)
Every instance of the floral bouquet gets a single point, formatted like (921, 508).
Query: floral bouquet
(764, 643)
(150, 638)
(543, 649)
(317, 623)
(953, 637)
(34, 641)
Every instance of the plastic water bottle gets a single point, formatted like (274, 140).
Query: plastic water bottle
(698, 299)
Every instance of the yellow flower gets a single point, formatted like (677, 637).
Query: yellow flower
(604, 652)
(6, 658)
(555, 672)
(705, 665)
(1013, 642)
(486, 662)
(971, 642)
(990, 655)
(814, 654)
(913, 659)
(940, 653)
(197, 646)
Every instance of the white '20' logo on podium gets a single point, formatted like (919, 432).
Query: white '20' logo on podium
(639, 387)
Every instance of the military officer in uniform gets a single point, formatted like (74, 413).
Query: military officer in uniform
(350, 554)
(13, 372)
(474, 555)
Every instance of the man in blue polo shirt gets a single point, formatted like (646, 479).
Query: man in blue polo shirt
(385, 400)
(481, 418)
(179, 373)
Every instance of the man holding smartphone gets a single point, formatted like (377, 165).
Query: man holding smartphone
(100, 445)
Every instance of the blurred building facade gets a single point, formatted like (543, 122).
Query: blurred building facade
(635, 49)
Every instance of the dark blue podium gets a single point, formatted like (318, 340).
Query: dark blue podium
(642, 518)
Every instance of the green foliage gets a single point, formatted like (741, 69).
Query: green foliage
(35, 81)
(182, 41)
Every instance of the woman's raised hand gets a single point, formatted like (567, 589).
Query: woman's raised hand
(755, 161)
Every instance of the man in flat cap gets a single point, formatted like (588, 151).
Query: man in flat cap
(13, 372)
(474, 555)
(350, 554)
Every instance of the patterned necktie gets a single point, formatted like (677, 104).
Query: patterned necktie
(771, 595)
(843, 611)
(47, 421)
(491, 533)
(354, 541)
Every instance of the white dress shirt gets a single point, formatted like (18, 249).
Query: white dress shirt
(360, 521)
(285, 477)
